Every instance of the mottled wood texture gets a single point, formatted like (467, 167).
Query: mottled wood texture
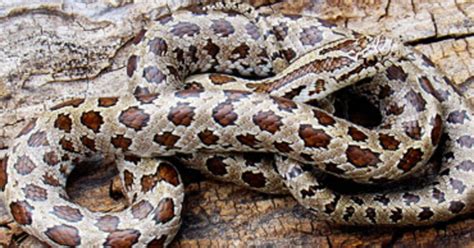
(64, 48)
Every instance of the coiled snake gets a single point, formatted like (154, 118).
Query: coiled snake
(226, 120)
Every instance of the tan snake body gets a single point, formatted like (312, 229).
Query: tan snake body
(217, 115)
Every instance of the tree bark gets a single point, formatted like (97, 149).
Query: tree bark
(64, 48)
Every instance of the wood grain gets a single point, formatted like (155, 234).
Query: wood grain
(55, 50)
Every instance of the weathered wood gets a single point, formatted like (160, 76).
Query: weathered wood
(60, 49)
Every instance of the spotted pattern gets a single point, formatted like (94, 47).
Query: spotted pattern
(24, 165)
(122, 238)
(362, 157)
(63, 122)
(108, 223)
(38, 139)
(141, 209)
(218, 117)
(67, 213)
(93, 120)
(64, 235)
(224, 114)
(208, 137)
(267, 121)
(312, 137)
(35, 193)
(21, 212)
(182, 114)
(107, 101)
(217, 166)
(134, 117)
(164, 211)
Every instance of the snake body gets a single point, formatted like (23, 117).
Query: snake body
(231, 121)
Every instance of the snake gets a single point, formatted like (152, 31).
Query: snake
(245, 97)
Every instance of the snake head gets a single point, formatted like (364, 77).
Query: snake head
(387, 48)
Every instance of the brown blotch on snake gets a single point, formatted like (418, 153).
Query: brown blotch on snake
(396, 73)
(51, 158)
(67, 144)
(323, 118)
(248, 140)
(285, 104)
(35, 193)
(458, 117)
(208, 138)
(63, 122)
(182, 29)
(64, 235)
(153, 75)
(30, 126)
(410, 159)
(107, 101)
(51, 180)
(312, 137)
(166, 139)
(466, 141)
(67, 213)
(93, 120)
(167, 173)
(267, 121)
(217, 166)
(394, 109)
(21, 212)
(283, 147)
(164, 212)
(356, 134)
(108, 223)
(219, 79)
(362, 157)
(88, 142)
(135, 118)
(141, 209)
(425, 214)
(120, 141)
(256, 180)
(24, 165)
(310, 36)
(182, 114)
(122, 238)
(224, 114)
(139, 37)
(38, 139)
(241, 51)
(388, 142)
(132, 65)
(413, 129)
(158, 46)
(417, 100)
(147, 98)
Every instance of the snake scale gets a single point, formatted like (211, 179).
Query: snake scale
(260, 129)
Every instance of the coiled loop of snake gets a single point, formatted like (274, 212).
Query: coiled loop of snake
(222, 114)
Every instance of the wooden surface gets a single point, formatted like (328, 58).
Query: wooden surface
(60, 49)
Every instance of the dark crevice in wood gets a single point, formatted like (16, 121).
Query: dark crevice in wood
(435, 39)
